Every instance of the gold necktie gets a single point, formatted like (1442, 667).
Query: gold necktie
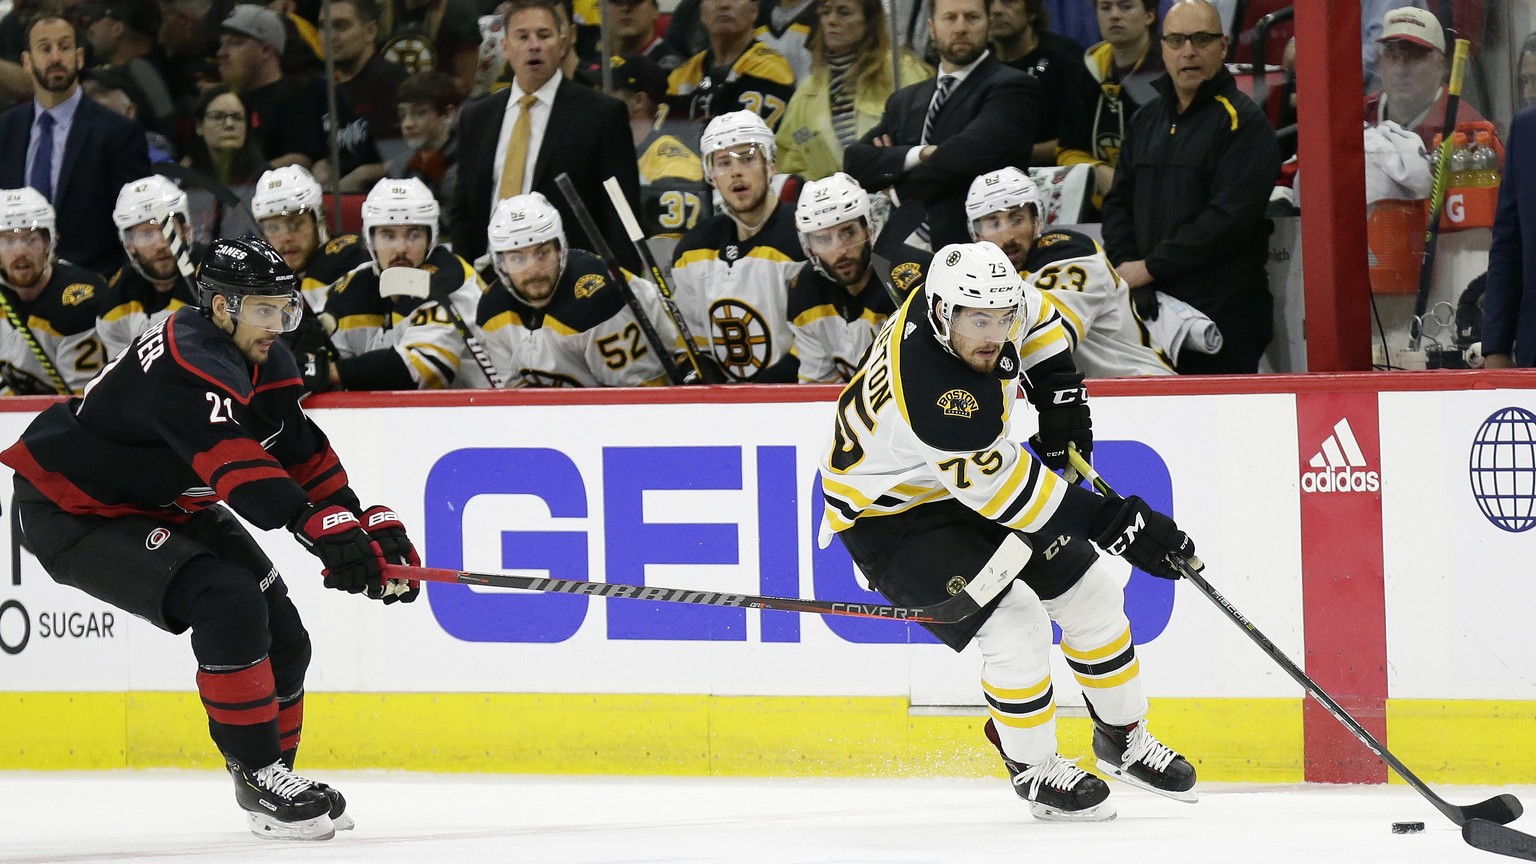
(517, 150)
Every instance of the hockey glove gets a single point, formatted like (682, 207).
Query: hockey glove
(315, 369)
(353, 561)
(388, 532)
(1144, 301)
(1062, 402)
(1142, 536)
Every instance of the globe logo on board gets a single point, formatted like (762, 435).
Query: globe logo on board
(1502, 469)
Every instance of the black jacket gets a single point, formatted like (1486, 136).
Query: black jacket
(1189, 197)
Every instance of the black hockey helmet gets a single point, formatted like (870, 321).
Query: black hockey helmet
(244, 266)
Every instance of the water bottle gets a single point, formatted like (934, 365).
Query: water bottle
(1486, 160)
(1460, 167)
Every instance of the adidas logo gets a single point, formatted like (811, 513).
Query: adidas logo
(1338, 466)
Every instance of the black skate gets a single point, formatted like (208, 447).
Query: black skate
(339, 815)
(281, 805)
(1057, 790)
(1131, 755)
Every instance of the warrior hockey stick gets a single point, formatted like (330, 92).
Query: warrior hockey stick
(1499, 809)
(713, 375)
(995, 575)
(412, 282)
(616, 273)
(1437, 195)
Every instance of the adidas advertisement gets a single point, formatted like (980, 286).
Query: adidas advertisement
(1339, 466)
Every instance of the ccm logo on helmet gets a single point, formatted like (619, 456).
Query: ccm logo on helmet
(331, 520)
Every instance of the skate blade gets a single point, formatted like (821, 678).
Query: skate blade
(268, 828)
(343, 821)
(1102, 812)
(1112, 770)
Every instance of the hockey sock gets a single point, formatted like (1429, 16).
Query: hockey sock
(242, 711)
(290, 722)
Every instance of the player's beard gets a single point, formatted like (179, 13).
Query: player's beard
(862, 258)
(30, 276)
(959, 57)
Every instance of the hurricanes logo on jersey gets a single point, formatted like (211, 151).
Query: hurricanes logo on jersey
(742, 342)
(958, 403)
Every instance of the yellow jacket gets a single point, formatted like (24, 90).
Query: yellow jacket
(807, 144)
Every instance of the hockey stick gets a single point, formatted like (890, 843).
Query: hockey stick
(668, 301)
(417, 283)
(616, 273)
(995, 575)
(1437, 195)
(27, 335)
(1499, 839)
(1499, 809)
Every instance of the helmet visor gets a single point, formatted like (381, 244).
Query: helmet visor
(1014, 224)
(985, 325)
(273, 313)
(742, 155)
(531, 271)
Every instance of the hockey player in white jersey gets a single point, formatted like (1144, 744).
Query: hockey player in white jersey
(149, 286)
(1108, 339)
(923, 482)
(841, 296)
(393, 331)
(552, 317)
(731, 274)
(289, 205)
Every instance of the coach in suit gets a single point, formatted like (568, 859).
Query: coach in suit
(1509, 299)
(520, 139)
(72, 150)
(938, 135)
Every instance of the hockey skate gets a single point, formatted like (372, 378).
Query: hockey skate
(281, 805)
(1057, 790)
(339, 815)
(1131, 755)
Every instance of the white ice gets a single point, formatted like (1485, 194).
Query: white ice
(185, 816)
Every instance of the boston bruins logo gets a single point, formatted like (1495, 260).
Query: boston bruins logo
(955, 585)
(411, 50)
(958, 403)
(543, 378)
(742, 342)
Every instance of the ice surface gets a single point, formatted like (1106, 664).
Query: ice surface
(186, 816)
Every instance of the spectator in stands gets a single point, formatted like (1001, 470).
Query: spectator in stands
(72, 150)
(1413, 68)
(844, 96)
(1185, 215)
(122, 33)
(673, 195)
(1372, 13)
(428, 35)
(189, 41)
(789, 29)
(1021, 38)
(428, 106)
(368, 80)
(1509, 297)
(115, 91)
(1120, 72)
(737, 72)
(1525, 72)
(15, 83)
(938, 135)
(286, 112)
(226, 151)
(634, 33)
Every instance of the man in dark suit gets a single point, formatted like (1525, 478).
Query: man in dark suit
(940, 134)
(1509, 300)
(520, 139)
(72, 150)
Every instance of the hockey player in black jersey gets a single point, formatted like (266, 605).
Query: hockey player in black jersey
(923, 482)
(842, 294)
(48, 341)
(149, 286)
(127, 495)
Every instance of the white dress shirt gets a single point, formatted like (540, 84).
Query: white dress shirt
(538, 118)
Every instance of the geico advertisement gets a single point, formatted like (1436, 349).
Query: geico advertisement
(717, 498)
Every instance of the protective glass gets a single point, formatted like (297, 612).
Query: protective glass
(529, 267)
(985, 325)
(830, 242)
(1002, 224)
(260, 311)
(743, 155)
(25, 239)
(1203, 39)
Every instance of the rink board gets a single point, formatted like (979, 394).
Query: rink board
(1404, 598)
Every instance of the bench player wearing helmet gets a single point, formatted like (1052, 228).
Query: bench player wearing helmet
(1003, 207)
(923, 482)
(127, 493)
(149, 286)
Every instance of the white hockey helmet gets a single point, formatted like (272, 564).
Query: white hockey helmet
(996, 191)
(288, 190)
(145, 200)
(972, 276)
(399, 202)
(522, 221)
(732, 130)
(26, 209)
(830, 202)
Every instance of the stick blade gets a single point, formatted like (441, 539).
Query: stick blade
(1499, 839)
(1500, 809)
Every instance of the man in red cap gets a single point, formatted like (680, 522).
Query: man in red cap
(1413, 67)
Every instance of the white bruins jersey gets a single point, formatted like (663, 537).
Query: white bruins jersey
(794, 42)
(420, 331)
(833, 329)
(586, 336)
(133, 304)
(734, 294)
(62, 321)
(917, 425)
(1108, 339)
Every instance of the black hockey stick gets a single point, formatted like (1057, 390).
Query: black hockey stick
(1437, 195)
(995, 575)
(1499, 809)
(417, 283)
(706, 372)
(893, 236)
(1499, 839)
(616, 273)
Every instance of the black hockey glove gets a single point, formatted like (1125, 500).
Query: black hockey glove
(1062, 402)
(1144, 300)
(388, 532)
(1142, 536)
(353, 561)
(315, 369)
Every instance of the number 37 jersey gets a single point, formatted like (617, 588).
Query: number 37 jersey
(916, 425)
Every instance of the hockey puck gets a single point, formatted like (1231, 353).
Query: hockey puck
(1407, 827)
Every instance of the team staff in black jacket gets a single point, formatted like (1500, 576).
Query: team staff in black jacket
(1185, 214)
(120, 495)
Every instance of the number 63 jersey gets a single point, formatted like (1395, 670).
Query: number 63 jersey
(917, 425)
